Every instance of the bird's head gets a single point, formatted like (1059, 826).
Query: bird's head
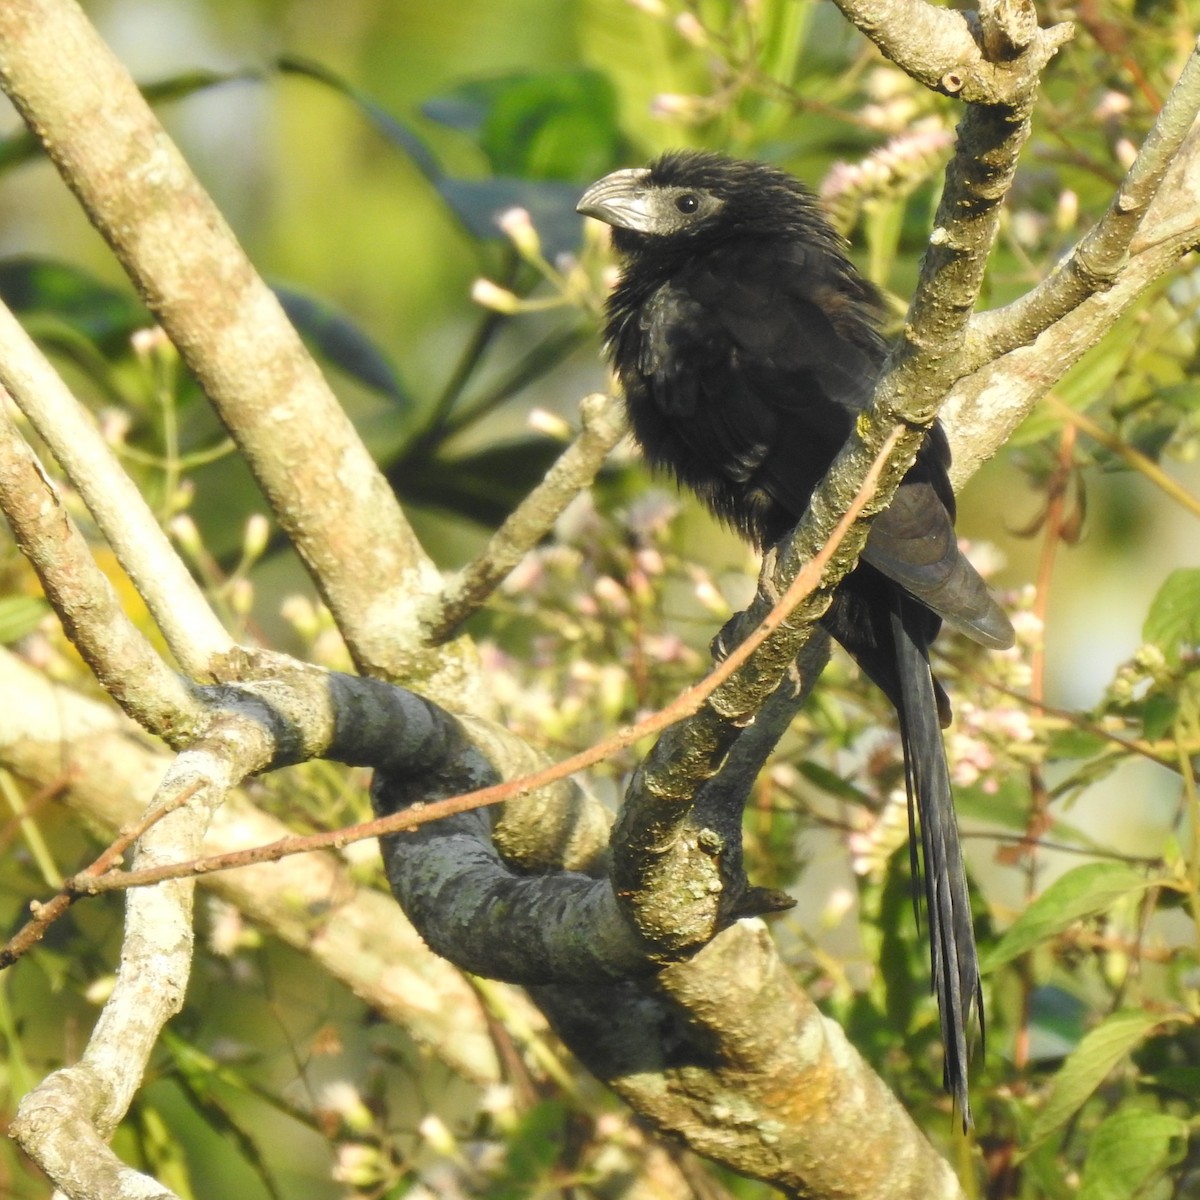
(686, 196)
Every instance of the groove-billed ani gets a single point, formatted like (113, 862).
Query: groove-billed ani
(746, 342)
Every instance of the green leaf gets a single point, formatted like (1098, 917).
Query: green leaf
(1129, 1150)
(1158, 715)
(546, 125)
(104, 315)
(1183, 397)
(883, 221)
(897, 938)
(1173, 622)
(1086, 1068)
(1185, 1081)
(479, 203)
(339, 340)
(533, 1148)
(198, 1076)
(1079, 893)
(1075, 743)
(485, 486)
(1057, 1023)
(476, 203)
(1005, 806)
(831, 782)
(19, 615)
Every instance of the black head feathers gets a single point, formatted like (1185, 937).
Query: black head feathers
(688, 195)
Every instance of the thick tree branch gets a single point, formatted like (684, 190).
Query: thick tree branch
(231, 331)
(726, 1051)
(310, 902)
(987, 60)
(491, 921)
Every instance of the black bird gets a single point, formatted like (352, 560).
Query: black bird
(745, 342)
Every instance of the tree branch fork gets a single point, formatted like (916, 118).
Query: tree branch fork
(238, 712)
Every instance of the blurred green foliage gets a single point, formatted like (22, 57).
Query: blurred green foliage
(364, 151)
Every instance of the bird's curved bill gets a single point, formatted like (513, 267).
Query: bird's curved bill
(618, 199)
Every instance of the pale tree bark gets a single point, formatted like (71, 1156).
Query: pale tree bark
(635, 951)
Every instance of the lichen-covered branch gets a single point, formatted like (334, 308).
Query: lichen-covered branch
(726, 1051)
(987, 59)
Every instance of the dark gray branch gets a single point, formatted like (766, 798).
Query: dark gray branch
(472, 908)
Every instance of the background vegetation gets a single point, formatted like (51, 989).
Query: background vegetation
(359, 150)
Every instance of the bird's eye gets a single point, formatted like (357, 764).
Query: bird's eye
(687, 203)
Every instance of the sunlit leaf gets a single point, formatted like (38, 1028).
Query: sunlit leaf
(1130, 1150)
(1080, 893)
(558, 124)
(20, 615)
(1086, 1068)
(1075, 743)
(1173, 622)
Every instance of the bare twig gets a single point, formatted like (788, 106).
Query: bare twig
(576, 468)
(123, 660)
(1123, 450)
(44, 915)
(176, 603)
(688, 703)
(65, 1122)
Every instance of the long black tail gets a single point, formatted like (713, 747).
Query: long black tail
(955, 963)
